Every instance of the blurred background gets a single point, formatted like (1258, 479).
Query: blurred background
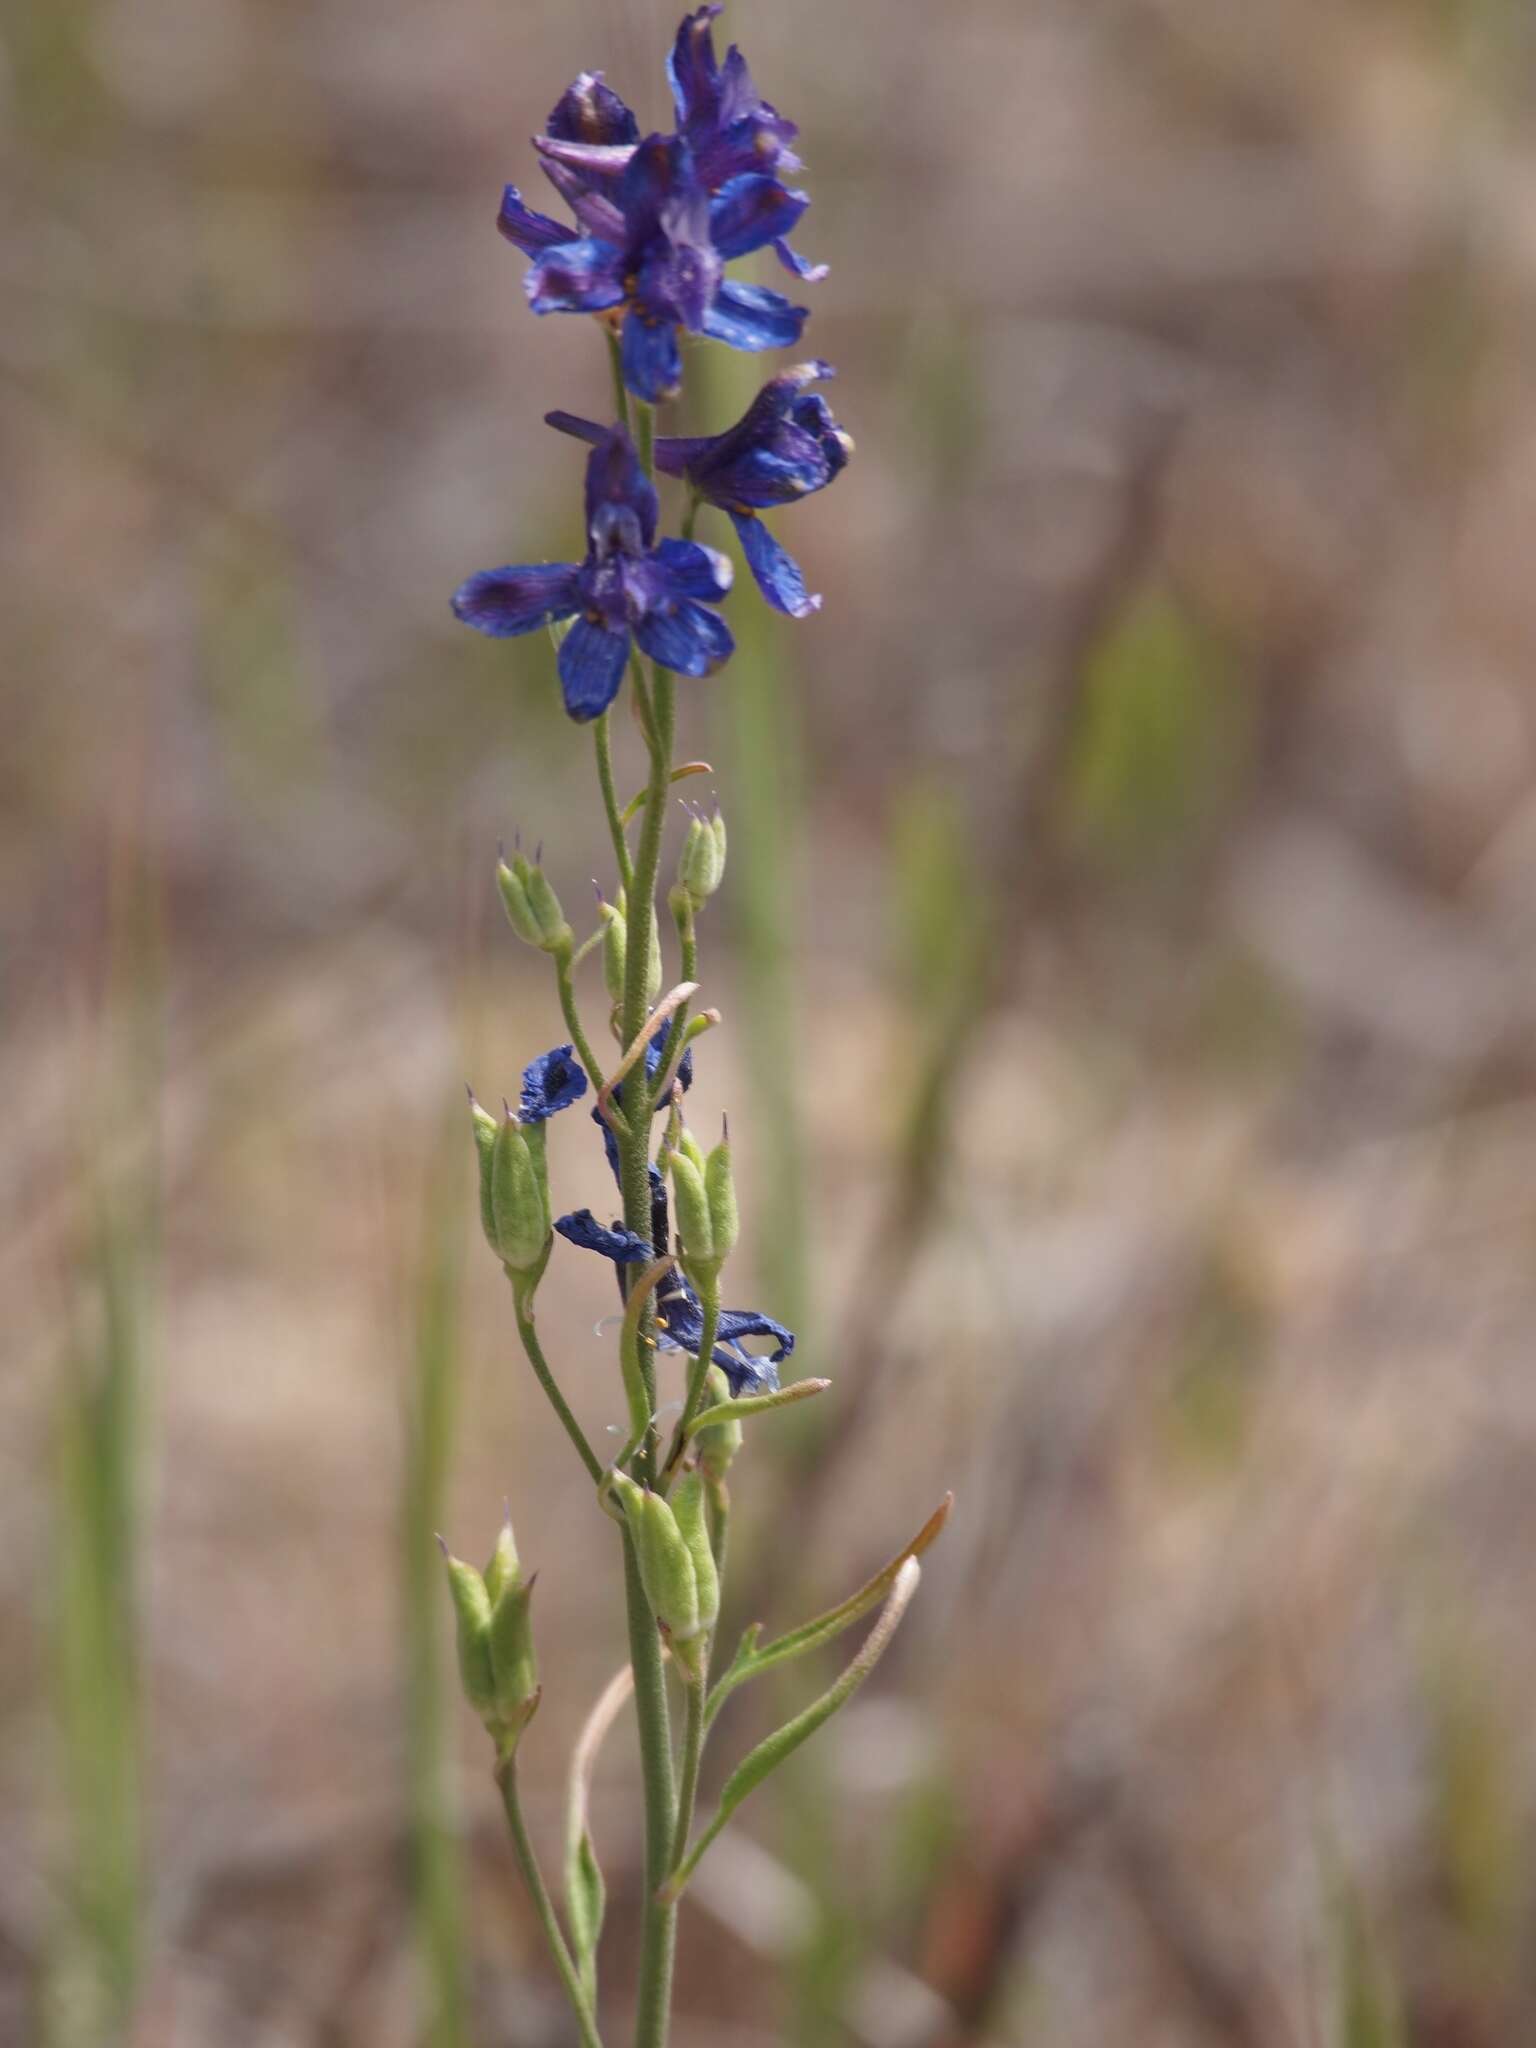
(1128, 959)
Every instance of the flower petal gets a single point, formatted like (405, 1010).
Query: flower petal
(652, 359)
(531, 232)
(798, 265)
(616, 484)
(580, 429)
(582, 1228)
(506, 602)
(693, 570)
(751, 211)
(687, 639)
(552, 1082)
(589, 110)
(776, 572)
(591, 665)
(692, 70)
(576, 277)
(749, 316)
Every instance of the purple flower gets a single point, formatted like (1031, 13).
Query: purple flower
(582, 1229)
(785, 446)
(626, 588)
(653, 252)
(552, 1082)
(731, 129)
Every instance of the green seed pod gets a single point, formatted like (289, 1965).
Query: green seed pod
(688, 1511)
(665, 1561)
(718, 1444)
(720, 1188)
(532, 906)
(694, 1227)
(483, 1125)
(519, 1199)
(701, 864)
(613, 949)
(514, 1668)
(472, 1612)
(503, 1569)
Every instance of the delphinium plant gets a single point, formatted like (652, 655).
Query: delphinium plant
(657, 221)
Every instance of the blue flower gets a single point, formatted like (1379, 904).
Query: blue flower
(785, 446)
(731, 129)
(551, 1082)
(679, 1313)
(654, 250)
(625, 588)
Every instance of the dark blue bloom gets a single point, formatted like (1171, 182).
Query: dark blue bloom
(731, 129)
(622, 1246)
(551, 1082)
(785, 446)
(653, 251)
(625, 587)
(679, 1314)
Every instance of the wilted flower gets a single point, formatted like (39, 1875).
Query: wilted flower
(625, 587)
(551, 1082)
(785, 446)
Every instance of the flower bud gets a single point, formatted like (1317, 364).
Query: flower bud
(532, 905)
(689, 1514)
(720, 1188)
(666, 1565)
(472, 1613)
(519, 1199)
(701, 864)
(694, 1227)
(718, 1444)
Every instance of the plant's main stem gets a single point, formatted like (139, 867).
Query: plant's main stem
(658, 1922)
(533, 1877)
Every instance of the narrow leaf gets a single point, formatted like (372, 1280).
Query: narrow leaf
(637, 803)
(783, 1743)
(750, 1661)
(756, 1404)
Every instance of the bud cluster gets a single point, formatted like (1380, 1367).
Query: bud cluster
(495, 1640)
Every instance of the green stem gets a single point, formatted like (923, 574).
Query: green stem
(691, 515)
(693, 1752)
(563, 967)
(620, 389)
(658, 1925)
(523, 1306)
(602, 743)
(528, 1863)
(717, 1506)
(688, 947)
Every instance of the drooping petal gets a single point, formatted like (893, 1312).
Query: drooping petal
(551, 1083)
(798, 265)
(506, 602)
(591, 665)
(616, 483)
(776, 572)
(652, 359)
(582, 1228)
(596, 212)
(750, 317)
(531, 232)
(693, 570)
(576, 277)
(688, 639)
(589, 110)
(751, 211)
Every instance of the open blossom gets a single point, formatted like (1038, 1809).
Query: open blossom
(653, 251)
(626, 589)
(785, 446)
